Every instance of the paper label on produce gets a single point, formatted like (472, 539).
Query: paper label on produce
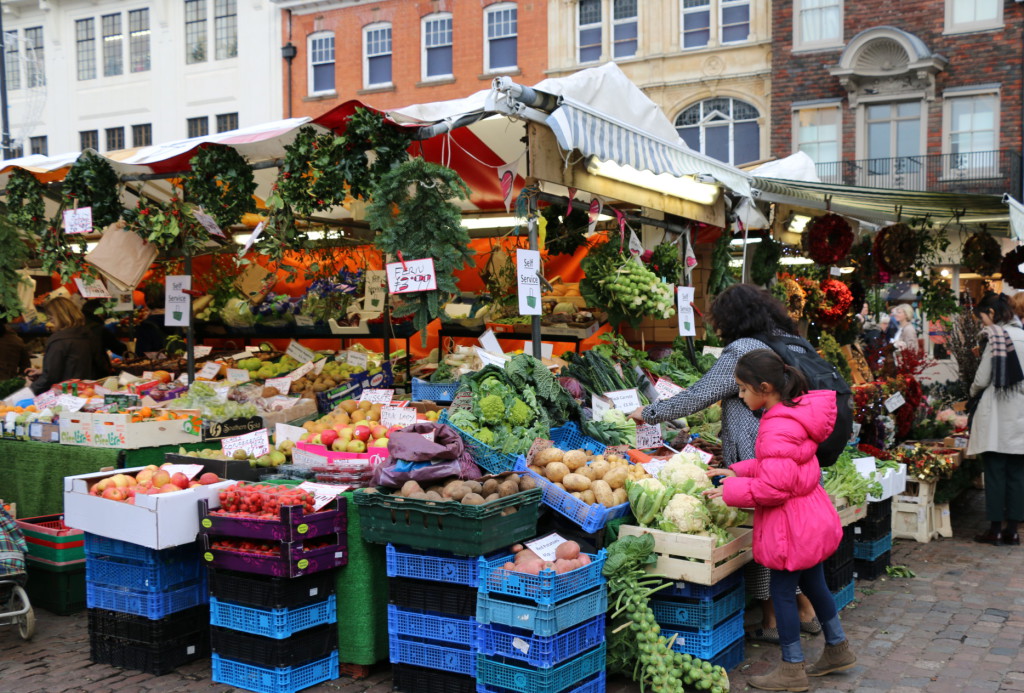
(490, 343)
(78, 220)
(282, 385)
(835, 271)
(397, 416)
(411, 276)
(305, 458)
(599, 405)
(255, 444)
(283, 432)
(521, 645)
(301, 371)
(528, 281)
(684, 309)
(546, 546)
(97, 289)
(322, 493)
(654, 466)
(489, 359)
(189, 470)
(705, 457)
(357, 359)
(895, 402)
(238, 375)
(648, 436)
(624, 400)
(377, 396)
(666, 389)
(318, 367)
(70, 403)
(714, 351)
(305, 320)
(200, 351)
(209, 370)
(299, 352)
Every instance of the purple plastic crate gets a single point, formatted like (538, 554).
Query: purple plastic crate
(293, 561)
(292, 525)
(545, 588)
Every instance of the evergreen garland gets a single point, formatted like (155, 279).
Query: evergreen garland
(14, 258)
(221, 182)
(367, 131)
(765, 263)
(310, 178)
(26, 208)
(982, 254)
(92, 182)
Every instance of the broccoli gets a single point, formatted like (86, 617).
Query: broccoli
(520, 413)
(492, 408)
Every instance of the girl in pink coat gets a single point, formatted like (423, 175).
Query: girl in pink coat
(796, 527)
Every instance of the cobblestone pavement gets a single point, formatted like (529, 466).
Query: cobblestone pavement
(958, 626)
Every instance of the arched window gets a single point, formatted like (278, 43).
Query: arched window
(723, 128)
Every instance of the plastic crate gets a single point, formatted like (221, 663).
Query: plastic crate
(50, 539)
(432, 654)
(484, 455)
(844, 596)
(731, 656)
(699, 613)
(540, 651)
(843, 553)
(274, 680)
(869, 570)
(143, 577)
(439, 597)
(838, 577)
(510, 676)
(468, 530)
(542, 620)
(266, 592)
(872, 529)
(408, 678)
(570, 437)
(427, 625)
(292, 523)
(595, 684)
(149, 604)
(156, 658)
(870, 550)
(878, 510)
(545, 588)
(293, 561)
(104, 547)
(693, 590)
(438, 566)
(301, 648)
(706, 643)
(58, 589)
(442, 393)
(590, 518)
(272, 623)
(140, 629)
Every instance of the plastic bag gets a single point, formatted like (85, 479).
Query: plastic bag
(411, 456)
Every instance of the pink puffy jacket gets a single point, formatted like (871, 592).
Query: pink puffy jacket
(795, 524)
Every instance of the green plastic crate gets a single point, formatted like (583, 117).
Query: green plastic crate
(48, 538)
(60, 589)
(469, 530)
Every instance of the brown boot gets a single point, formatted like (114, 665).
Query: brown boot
(834, 658)
(788, 676)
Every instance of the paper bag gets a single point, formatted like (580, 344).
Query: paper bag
(122, 256)
(26, 295)
(255, 282)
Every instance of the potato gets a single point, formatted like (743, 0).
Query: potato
(507, 511)
(599, 467)
(493, 496)
(574, 459)
(598, 458)
(546, 457)
(617, 459)
(410, 487)
(586, 471)
(577, 494)
(460, 491)
(526, 483)
(619, 496)
(507, 488)
(474, 486)
(489, 487)
(556, 471)
(588, 497)
(603, 493)
(616, 477)
(537, 470)
(560, 485)
(450, 486)
(418, 495)
(576, 482)
(435, 496)
(472, 499)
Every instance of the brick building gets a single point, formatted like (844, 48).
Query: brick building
(392, 53)
(913, 95)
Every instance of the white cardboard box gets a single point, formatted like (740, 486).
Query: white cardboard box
(117, 431)
(155, 521)
(76, 428)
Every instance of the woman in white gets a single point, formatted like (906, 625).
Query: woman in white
(906, 337)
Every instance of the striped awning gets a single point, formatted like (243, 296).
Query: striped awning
(592, 133)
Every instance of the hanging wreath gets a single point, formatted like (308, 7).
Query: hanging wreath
(221, 182)
(567, 233)
(829, 239)
(367, 131)
(835, 300)
(310, 178)
(765, 263)
(25, 205)
(171, 228)
(896, 248)
(789, 291)
(982, 254)
(60, 253)
(92, 182)
(1010, 267)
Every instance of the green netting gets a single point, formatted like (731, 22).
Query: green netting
(362, 589)
(32, 474)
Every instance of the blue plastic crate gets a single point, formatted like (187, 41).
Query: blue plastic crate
(591, 518)
(731, 656)
(595, 684)
(104, 547)
(693, 590)
(523, 679)
(283, 680)
(844, 596)
(484, 455)
(706, 643)
(152, 605)
(546, 588)
(272, 623)
(542, 620)
(437, 566)
(539, 651)
(432, 655)
(699, 613)
(428, 625)
(435, 392)
(570, 437)
(870, 550)
(141, 576)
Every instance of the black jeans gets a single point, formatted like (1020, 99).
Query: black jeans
(1004, 486)
(812, 584)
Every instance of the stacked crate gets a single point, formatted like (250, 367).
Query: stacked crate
(839, 569)
(873, 541)
(147, 608)
(706, 620)
(55, 564)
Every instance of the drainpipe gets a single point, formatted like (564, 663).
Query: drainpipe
(288, 52)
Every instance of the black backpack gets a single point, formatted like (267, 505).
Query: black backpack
(821, 375)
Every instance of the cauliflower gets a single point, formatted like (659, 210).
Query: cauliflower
(520, 413)
(685, 514)
(492, 409)
(485, 436)
(685, 476)
(724, 516)
(688, 458)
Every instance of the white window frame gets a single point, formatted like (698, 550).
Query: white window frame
(488, 11)
(968, 27)
(716, 26)
(835, 106)
(950, 96)
(377, 26)
(310, 64)
(702, 126)
(434, 17)
(635, 19)
(712, 25)
(802, 44)
(579, 30)
(721, 22)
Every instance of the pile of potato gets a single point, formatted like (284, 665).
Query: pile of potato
(591, 478)
(478, 492)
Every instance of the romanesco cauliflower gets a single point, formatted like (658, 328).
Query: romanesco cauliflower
(520, 413)
(492, 409)
(484, 435)
(684, 513)
(684, 476)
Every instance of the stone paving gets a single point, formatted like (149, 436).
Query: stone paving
(957, 626)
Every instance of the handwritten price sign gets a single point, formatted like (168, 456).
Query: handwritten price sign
(78, 220)
(412, 276)
(255, 444)
(397, 416)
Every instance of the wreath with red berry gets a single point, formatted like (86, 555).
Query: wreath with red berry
(25, 205)
(311, 176)
(896, 248)
(829, 239)
(221, 182)
(835, 300)
(1010, 267)
(982, 254)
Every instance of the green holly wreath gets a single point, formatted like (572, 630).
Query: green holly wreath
(221, 182)
(25, 205)
(92, 182)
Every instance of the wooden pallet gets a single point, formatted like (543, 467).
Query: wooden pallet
(354, 671)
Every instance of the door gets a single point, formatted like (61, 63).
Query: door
(894, 160)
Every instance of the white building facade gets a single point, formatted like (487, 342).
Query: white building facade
(115, 74)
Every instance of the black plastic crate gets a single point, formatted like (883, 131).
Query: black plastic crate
(266, 592)
(840, 577)
(156, 658)
(844, 553)
(869, 570)
(872, 529)
(879, 510)
(301, 648)
(440, 597)
(147, 631)
(407, 678)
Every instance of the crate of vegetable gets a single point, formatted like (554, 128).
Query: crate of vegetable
(696, 558)
(469, 518)
(528, 576)
(266, 511)
(278, 559)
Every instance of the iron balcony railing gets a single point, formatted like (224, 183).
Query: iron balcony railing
(986, 173)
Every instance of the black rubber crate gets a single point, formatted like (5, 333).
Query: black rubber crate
(301, 648)
(146, 631)
(872, 529)
(407, 678)
(427, 595)
(843, 554)
(156, 658)
(869, 570)
(840, 577)
(265, 592)
(879, 510)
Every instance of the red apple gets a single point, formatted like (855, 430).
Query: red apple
(193, 484)
(378, 431)
(361, 433)
(179, 480)
(130, 500)
(208, 478)
(328, 437)
(169, 488)
(94, 491)
(161, 478)
(114, 493)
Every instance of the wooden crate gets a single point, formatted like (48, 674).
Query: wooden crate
(848, 513)
(696, 559)
(917, 493)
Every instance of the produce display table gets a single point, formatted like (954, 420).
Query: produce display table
(455, 331)
(32, 474)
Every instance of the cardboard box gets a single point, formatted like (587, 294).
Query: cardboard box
(118, 431)
(374, 455)
(303, 409)
(236, 470)
(156, 521)
(76, 428)
(44, 432)
(215, 430)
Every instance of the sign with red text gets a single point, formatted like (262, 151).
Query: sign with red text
(412, 276)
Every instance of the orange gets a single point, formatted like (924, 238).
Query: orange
(145, 412)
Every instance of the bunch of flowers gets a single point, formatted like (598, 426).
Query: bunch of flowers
(328, 298)
(927, 464)
(789, 291)
(835, 301)
(955, 419)
(877, 453)
(812, 296)
(829, 239)
(275, 308)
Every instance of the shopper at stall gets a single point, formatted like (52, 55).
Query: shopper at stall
(72, 351)
(1017, 305)
(14, 359)
(906, 333)
(796, 527)
(92, 310)
(997, 426)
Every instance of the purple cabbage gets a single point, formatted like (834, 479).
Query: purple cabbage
(573, 387)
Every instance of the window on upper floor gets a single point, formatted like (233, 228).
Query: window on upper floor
(722, 128)
(38, 145)
(590, 32)
(437, 46)
(817, 24)
(377, 55)
(12, 60)
(195, 31)
(321, 62)
(35, 67)
(624, 29)
(593, 19)
(113, 45)
(707, 23)
(225, 29)
(16, 151)
(198, 127)
(816, 132)
(115, 139)
(501, 37)
(142, 135)
(85, 48)
(138, 40)
(227, 122)
(89, 139)
(971, 132)
(111, 29)
(973, 15)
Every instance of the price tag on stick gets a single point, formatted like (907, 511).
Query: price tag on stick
(624, 400)
(78, 220)
(322, 493)
(412, 276)
(895, 402)
(648, 436)
(256, 444)
(666, 389)
(377, 396)
(397, 416)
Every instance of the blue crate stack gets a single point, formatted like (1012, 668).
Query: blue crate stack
(706, 620)
(147, 608)
(873, 541)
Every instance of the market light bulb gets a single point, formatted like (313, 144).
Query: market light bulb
(944, 273)
(685, 187)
